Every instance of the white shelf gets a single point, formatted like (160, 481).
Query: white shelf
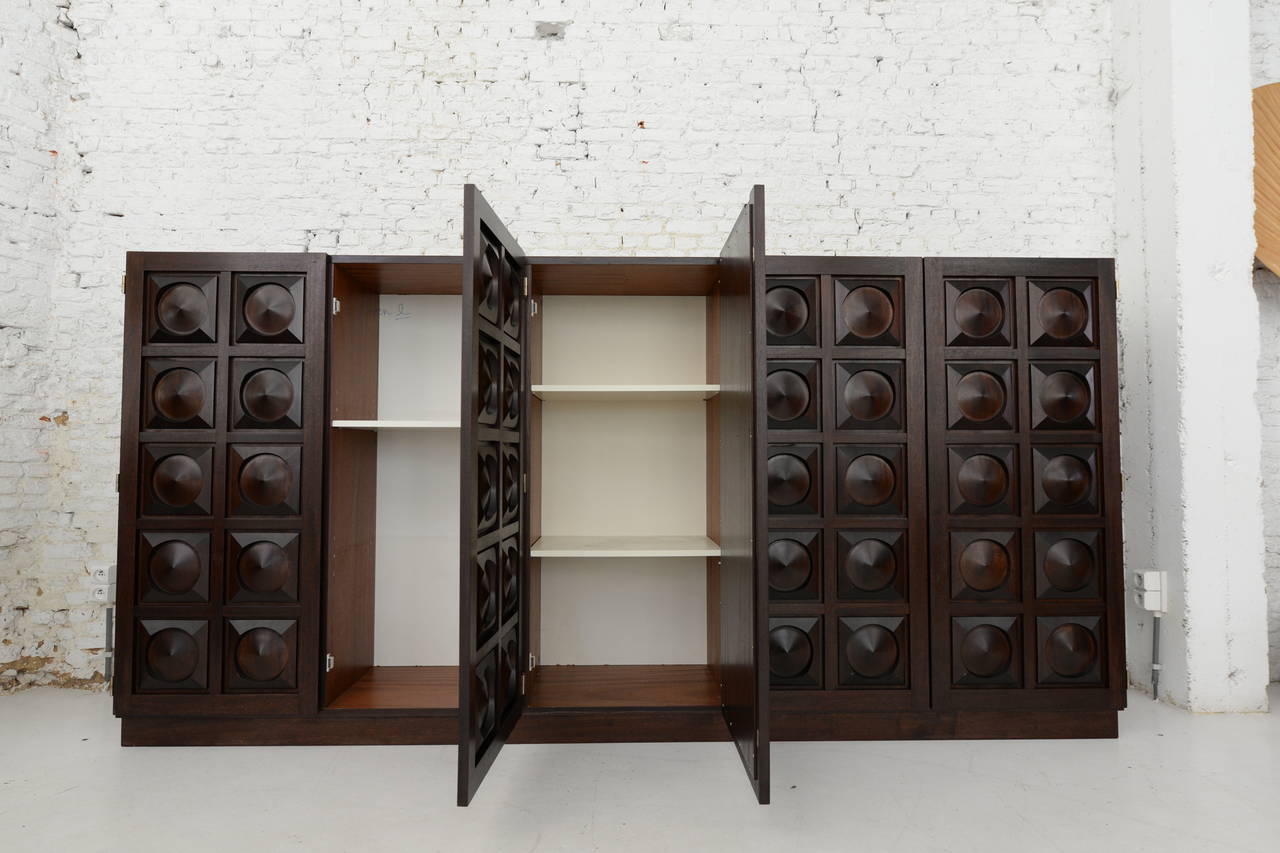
(378, 426)
(624, 546)
(625, 392)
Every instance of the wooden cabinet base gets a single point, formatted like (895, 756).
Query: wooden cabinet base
(612, 726)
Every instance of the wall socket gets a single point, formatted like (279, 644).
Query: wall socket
(103, 590)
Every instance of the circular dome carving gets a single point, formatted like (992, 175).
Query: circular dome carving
(1066, 479)
(511, 392)
(266, 480)
(511, 666)
(980, 396)
(511, 316)
(511, 485)
(867, 312)
(984, 565)
(174, 567)
(267, 395)
(1071, 650)
(790, 565)
(979, 312)
(178, 394)
(786, 311)
(490, 263)
(871, 651)
(870, 565)
(1064, 396)
(868, 395)
(264, 567)
(269, 309)
(1068, 565)
(487, 490)
(511, 577)
(486, 610)
(787, 395)
(172, 655)
(982, 480)
(869, 480)
(790, 652)
(177, 480)
(488, 381)
(182, 308)
(482, 703)
(1063, 313)
(788, 480)
(261, 655)
(986, 651)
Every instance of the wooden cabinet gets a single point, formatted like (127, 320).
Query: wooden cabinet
(494, 498)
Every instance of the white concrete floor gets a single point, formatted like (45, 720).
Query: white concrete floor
(1172, 782)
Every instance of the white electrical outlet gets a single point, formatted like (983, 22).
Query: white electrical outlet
(103, 592)
(1151, 591)
(102, 573)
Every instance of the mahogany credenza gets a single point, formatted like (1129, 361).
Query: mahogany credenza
(493, 498)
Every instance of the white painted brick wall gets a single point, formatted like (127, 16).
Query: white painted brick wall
(980, 127)
(1265, 26)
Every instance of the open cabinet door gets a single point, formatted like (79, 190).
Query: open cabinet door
(743, 594)
(494, 507)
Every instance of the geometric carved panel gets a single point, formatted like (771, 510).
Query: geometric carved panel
(791, 395)
(486, 586)
(172, 655)
(1065, 479)
(264, 479)
(871, 565)
(795, 651)
(510, 586)
(873, 651)
(179, 393)
(795, 565)
(795, 479)
(1061, 313)
(268, 308)
(489, 289)
(177, 479)
(173, 566)
(983, 479)
(868, 312)
(986, 651)
(261, 655)
(869, 395)
(262, 567)
(509, 668)
(1063, 395)
(511, 482)
(266, 393)
(182, 308)
(980, 395)
(870, 479)
(978, 312)
(1069, 649)
(512, 289)
(490, 379)
(1068, 564)
(488, 486)
(511, 390)
(484, 697)
(985, 565)
(791, 312)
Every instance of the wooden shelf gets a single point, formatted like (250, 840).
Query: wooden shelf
(624, 546)
(561, 687)
(401, 687)
(625, 393)
(378, 426)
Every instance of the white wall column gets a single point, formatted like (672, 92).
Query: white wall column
(1189, 325)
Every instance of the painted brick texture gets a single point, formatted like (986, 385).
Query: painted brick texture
(633, 127)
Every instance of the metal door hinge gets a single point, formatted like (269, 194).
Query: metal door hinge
(526, 285)
(117, 484)
(522, 685)
(329, 663)
(337, 305)
(533, 308)
(124, 276)
(533, 662)
(525, 480)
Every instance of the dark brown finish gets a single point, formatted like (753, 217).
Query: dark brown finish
(847, 522)
(1024, 485)
(621, 725)
(563, 276)
(387, 688)
(796, 725)
(191, 320)
(635, 687)
(743, 581)
(494, 505)
(438, 275)
(328, 729)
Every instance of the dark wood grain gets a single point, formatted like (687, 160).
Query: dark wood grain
(349, 589)
(742, 592)
(325, 729)
(403, 274)
(943, 725)
(603, 276)
(569, 687)
(396, 687)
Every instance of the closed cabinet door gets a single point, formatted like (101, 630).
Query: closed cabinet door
(220, 487)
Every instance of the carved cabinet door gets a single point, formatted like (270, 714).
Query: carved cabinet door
(221, 484)
(1024, 484)
(495, 506)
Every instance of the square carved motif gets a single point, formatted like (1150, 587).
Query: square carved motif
(1064, 395)
(795, 651)
(795, 565)
(1066, 480)
(985, 565)
(792, 395)
(795, 479)
(266, 393)
(182, 308)
(172, 655)
(868, 311)
(1069, 650)
(173, 567)
(869, 395)
(1069, 564)
(986, 651)
(262, 567)
(980, 395)
(177, 479)
(269, 308)
(1061, 312)
(873, 651)
(178, 393)
(261, 655)
(871, 565)
(979, 312)
(264, 479)
(983, 479)
(791, 312)
(870, 479)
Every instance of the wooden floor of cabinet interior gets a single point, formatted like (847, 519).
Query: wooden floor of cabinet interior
(550, 688)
